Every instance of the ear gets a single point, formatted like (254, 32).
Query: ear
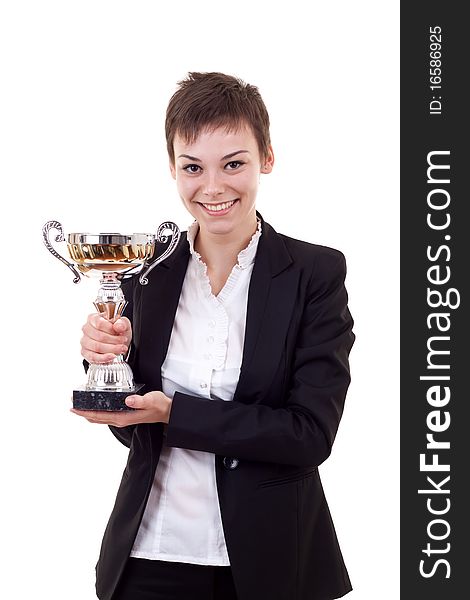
(173, 170)
(268, 162)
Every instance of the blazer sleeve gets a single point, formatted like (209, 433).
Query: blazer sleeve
(302, 431)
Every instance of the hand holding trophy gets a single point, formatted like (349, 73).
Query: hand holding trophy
(112, 257)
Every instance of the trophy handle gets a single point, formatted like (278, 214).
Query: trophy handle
(162, 236)
(59, 238)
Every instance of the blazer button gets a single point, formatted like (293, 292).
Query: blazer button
(230, 463)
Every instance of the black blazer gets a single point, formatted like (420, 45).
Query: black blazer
(270, 440)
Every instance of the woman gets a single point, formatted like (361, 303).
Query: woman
(242, 338)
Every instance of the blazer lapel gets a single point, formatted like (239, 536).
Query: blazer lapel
(160, 302)
(271, 301)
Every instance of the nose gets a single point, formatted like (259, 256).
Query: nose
(213, 185)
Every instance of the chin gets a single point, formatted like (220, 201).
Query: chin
(217, 228)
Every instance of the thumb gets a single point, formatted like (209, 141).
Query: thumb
(136, 401)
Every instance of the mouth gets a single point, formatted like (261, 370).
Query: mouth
(218, 209)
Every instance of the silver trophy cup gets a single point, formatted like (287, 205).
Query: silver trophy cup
(112, 257)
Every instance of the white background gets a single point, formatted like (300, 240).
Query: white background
(84, 90)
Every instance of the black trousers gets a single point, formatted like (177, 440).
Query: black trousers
(161, 580)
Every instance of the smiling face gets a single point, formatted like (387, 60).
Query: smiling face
(217, 177)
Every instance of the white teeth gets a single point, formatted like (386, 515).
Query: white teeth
(218, 207)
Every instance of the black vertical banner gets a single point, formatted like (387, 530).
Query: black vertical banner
(435, 317)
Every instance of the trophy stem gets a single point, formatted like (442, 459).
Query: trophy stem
(115, 376)
(110, 302)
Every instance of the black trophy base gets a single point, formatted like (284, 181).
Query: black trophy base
(84, 399)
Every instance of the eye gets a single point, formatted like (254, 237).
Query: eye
(192, 168)
(234, 164)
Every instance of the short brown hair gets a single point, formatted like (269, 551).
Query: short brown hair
(211, 100)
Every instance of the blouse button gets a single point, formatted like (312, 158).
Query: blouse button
(203, 385)
(207, 356)
(211, 324)
(210, 339)
(230, 463)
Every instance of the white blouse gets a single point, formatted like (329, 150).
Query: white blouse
(182, 521)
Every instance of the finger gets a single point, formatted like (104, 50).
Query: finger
(89, 415)
(104, 417)
(97, 341)
(122, 326)
(95, 358)
(97, 321)
(101, 334)
(90, 345)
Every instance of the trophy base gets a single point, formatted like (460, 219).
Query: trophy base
(84, 399)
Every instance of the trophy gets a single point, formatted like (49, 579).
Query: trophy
(112, 257)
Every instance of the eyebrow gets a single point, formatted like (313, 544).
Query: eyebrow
(231, 155)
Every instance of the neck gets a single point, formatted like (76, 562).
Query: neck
(220, 251)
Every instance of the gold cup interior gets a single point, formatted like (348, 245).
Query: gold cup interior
(109, 257)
